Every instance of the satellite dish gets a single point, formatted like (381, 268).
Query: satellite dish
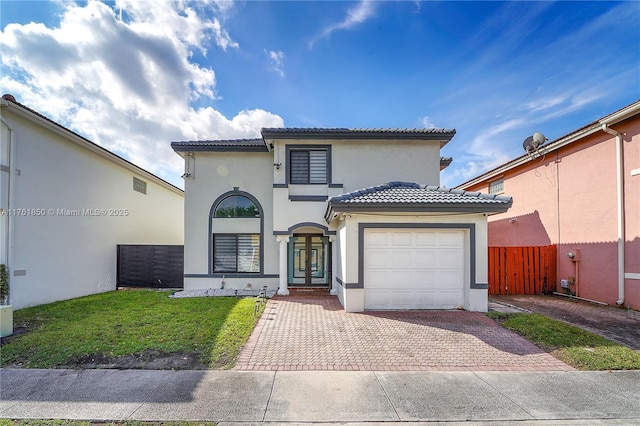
(532, 143)
(528, 144)
(539, 138)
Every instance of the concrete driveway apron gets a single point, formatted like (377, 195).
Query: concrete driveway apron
(315, 333)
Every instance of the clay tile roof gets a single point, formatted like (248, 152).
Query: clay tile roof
(254, 145)
(408, 196)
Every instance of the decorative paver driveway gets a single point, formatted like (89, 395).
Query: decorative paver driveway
(315, 333)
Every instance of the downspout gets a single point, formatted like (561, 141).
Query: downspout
(620, 202)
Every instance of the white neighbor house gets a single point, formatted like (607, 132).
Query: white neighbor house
(340, 209)
(65, 205)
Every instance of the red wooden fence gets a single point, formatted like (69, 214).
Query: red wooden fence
(522, 270)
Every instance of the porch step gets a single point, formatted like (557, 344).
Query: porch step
(308, 291)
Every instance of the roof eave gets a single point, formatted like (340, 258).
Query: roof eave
(594, 127)
(200, 148)
(70, 135)
(419, 208)
(444, 137)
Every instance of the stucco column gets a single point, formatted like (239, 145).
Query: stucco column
(334, 262)
(282, 289)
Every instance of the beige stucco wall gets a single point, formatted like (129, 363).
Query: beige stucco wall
(60, 251)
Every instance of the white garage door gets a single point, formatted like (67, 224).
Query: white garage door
(413, 269)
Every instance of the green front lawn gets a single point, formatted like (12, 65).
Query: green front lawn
(133, 323)
(573, 345)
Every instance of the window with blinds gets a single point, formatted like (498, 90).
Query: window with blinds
(236, 253)
(308, 166)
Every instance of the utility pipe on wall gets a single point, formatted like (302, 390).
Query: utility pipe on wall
(620, 202)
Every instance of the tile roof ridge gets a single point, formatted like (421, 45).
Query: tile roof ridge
(218, 140)
(373, 189)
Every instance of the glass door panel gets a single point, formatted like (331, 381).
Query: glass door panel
(309, 260)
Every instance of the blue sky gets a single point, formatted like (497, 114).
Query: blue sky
(134, 75)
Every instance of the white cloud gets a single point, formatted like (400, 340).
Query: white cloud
(128, 85)
(276, 60)
(364, 10)
(427, 123)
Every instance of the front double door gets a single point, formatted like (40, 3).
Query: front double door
(309, 260)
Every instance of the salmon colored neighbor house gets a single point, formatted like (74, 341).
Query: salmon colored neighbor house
(580, 192)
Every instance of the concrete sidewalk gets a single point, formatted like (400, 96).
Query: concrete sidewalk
(567, 397)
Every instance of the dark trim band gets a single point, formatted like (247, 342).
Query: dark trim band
(308, 197)
(325, 230)
(231, 275)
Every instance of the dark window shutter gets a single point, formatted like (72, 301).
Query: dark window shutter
(299, 164)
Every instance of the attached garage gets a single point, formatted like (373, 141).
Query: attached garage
(413, 269)
(405, 246)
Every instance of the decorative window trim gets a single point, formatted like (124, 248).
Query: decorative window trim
(210, 236)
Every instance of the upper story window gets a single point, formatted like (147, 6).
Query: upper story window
(496, 187)
(308, 166)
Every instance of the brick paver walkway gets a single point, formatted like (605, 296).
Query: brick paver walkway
(618, 324)
(315, 333)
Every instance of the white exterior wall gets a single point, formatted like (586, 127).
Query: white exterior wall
(360, 165)
(355, 165)
(59, 251)
(475, 299)
(214, 175)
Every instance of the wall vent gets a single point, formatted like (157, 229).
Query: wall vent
(139, 185)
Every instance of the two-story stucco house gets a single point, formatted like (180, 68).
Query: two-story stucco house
(356, 211)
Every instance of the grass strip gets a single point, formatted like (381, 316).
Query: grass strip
(573, 345)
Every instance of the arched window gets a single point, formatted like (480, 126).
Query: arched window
(236, 234)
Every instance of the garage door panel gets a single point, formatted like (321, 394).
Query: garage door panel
(377, 239)
(401, 299)
(401, 258)
(377, 299)
(401, 239)
(417, 269)
(378, 279)
(450, 258)
(426, 278)
(426, 258)
(448, 279)
(378, 258)
(448, 299)
(425, 239)
(451, 239)
(402, 278)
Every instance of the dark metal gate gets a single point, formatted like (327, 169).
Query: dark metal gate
(153, 266)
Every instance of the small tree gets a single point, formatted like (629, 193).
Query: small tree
(4, 284)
